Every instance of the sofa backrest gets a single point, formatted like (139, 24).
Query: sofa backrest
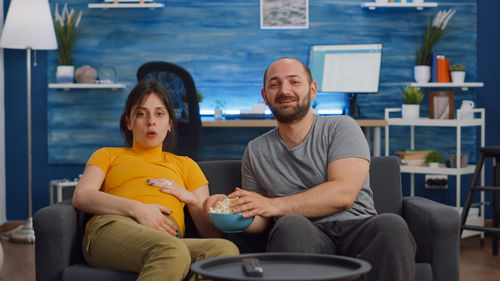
(385, 180)
(223, 175)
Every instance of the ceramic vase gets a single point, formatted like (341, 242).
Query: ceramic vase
(422, 73)
(65, 74)
(410, 111)
(458, 76)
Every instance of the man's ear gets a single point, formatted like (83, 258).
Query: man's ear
(263, 93)
(314, 89)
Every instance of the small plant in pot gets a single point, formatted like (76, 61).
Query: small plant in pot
(457, 72)
(412, 96)
(434, 159)
(66, 25)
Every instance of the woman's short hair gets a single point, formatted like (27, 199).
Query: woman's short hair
(136, 97)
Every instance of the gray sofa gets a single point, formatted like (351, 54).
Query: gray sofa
(435, 227)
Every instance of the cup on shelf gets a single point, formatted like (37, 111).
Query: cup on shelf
(466, 110)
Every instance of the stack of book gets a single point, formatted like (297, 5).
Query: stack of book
(413, 157)
(440, 69)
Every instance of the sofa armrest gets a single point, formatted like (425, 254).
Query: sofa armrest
(436, 229)
(58, 239)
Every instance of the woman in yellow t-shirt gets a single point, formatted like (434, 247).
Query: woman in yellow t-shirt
(138, 194)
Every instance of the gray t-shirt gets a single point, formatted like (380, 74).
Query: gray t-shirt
(269, 167)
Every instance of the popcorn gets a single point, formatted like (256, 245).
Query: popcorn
(223, 207)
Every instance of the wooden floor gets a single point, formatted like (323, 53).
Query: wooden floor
(476, 263)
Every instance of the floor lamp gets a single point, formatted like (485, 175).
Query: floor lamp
(28, 26)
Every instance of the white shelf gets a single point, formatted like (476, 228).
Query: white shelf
(434, 122)
(479, 121)
(128, 1)
(418, 6)
(125, 5)
(67, 86)
(440, 170)
(465, 86)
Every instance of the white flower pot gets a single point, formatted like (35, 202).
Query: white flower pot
(434, 164)
(410, 111)
(418, 1)
(458, 76)
(422, 73)
(65, 74)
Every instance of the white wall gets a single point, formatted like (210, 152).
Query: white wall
(3, 216)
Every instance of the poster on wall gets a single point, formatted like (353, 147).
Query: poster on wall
(284, 14)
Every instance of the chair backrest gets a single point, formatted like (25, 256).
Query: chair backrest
(385, 182)
(181, 87)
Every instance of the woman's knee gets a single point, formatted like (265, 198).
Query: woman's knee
(223, 247)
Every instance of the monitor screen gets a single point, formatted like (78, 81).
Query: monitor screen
(346, 68)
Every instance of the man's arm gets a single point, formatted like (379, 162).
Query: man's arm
(345, 180)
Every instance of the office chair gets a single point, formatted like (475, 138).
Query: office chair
(180, 85)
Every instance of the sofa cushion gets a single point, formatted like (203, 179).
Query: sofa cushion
(83, 272)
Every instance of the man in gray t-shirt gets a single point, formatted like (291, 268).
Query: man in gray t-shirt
(307, 180)
(271, 168)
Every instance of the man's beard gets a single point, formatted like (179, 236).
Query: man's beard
(287, 116)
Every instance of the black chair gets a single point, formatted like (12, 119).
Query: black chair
(180, 85)
(484, 152)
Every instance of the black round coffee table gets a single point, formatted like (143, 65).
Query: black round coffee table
(284, 267)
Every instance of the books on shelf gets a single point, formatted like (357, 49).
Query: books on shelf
(440, 69)
(413, 157)
(443, 69)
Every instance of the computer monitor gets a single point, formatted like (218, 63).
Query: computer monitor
(350, 69)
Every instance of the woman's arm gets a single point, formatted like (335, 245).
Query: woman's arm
(88, 198)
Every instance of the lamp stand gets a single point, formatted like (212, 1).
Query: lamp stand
(26, 234)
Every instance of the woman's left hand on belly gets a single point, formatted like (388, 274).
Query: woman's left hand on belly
(172, 188)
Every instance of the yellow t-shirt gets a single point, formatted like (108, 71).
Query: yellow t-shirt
(127, 169)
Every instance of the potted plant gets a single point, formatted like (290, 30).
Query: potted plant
(66, 26)
(458, 73)
(412, 96)
(434, 159)
(422, 70)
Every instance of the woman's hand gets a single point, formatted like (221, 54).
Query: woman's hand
(211, 202)
(172, 188)
(153, 215)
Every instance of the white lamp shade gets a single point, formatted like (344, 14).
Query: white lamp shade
(29, 25)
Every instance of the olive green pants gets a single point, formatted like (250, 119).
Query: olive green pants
(120, 243)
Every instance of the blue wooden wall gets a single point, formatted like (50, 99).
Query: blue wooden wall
(221, 44)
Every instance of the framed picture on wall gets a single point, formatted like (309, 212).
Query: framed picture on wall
(441, 105)
(284, 14)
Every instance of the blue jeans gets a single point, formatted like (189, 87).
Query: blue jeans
(383, 240)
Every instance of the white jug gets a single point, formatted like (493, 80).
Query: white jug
(467, 110)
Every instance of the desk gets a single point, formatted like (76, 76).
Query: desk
(365, 124)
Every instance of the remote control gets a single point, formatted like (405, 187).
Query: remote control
(252, 267)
